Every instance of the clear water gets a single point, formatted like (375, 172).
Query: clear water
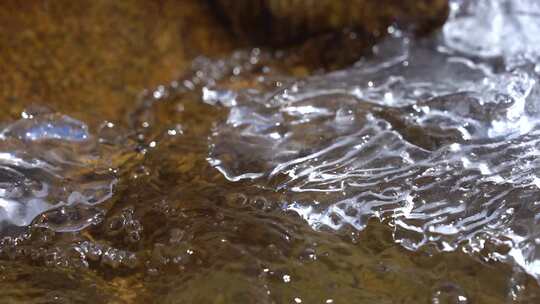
(438, 138)
(52, 168)
(250, 184)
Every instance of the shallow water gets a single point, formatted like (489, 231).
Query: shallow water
(411, 177)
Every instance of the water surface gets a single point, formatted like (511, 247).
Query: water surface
(411, 177)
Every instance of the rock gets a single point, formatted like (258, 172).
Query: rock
(283, 22)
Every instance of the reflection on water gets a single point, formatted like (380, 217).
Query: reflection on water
(241, 184)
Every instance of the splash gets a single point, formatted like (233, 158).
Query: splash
(439, 137)
(52, 174)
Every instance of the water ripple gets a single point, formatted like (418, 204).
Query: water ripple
(437, 137)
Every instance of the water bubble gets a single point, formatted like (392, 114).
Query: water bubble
(286, 278)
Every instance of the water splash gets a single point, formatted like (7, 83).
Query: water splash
(439, 137)
(506, 29)
(52, 173)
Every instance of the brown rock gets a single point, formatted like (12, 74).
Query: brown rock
(91, 59)
(281, 22)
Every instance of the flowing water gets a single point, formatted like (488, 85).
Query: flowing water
(411, 177)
